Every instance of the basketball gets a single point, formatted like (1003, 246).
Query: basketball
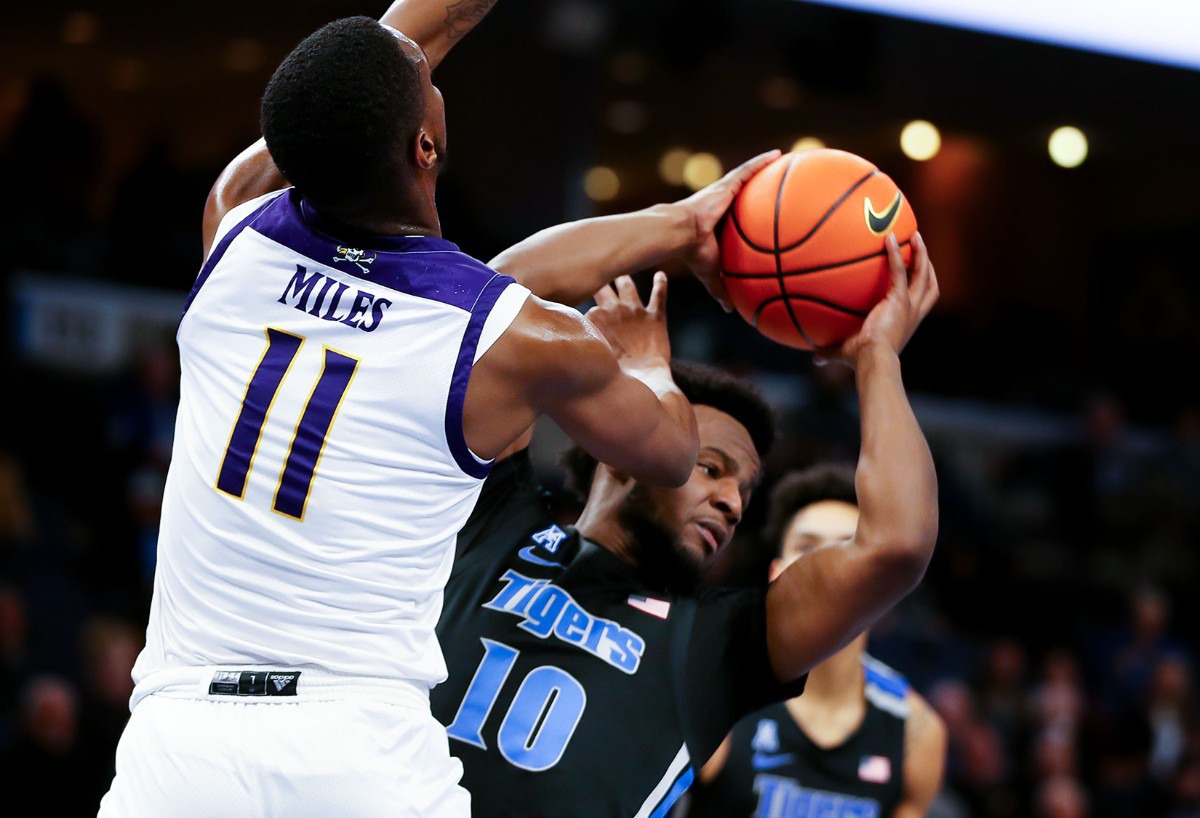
(802, 247)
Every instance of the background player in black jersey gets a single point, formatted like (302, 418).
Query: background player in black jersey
(860, 741)
(588, 675)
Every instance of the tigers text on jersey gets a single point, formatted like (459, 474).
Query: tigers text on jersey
(574, 689)
(774, 770)
(319, 471)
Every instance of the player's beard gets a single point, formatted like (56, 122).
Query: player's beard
(662, 559)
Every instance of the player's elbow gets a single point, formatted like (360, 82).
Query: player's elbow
(903, 555)
(670, 466)
(904, 536)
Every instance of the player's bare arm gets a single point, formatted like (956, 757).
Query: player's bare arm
(603, 248)
(820, 603)
(622, 407)
(924, 758)
(716, 762)
(435, 25)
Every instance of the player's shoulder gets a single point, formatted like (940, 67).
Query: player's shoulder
(239, 212)
(557, 342)
(923, 717)
(886, 688)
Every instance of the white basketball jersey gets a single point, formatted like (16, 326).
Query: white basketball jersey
(319, 473)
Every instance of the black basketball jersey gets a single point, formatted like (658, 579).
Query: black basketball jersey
(773, 768)
(573, 688)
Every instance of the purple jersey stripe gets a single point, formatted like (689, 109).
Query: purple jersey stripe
(462, 373)
(260, 393)
(296, 481)
(423, 266)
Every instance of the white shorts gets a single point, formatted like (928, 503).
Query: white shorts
(203, 745)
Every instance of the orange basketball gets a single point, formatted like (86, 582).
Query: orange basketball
(802, 248)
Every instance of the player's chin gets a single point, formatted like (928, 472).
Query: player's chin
(697, 552)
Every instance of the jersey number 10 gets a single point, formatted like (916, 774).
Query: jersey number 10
(541, 717)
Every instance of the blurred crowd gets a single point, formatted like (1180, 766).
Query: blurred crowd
(1055, 631)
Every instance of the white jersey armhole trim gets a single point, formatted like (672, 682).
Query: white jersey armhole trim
(503, 313)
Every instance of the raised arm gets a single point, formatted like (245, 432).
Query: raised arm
(435, 25)
(819, 603)
(569, 262)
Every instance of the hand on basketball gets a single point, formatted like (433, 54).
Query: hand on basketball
(707, 206)
(634, 331)
(894, 319)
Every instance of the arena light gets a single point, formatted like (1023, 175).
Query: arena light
(701, 169)
(671, 165)
(920, 140)
(601, 184)
(807, 143)
(1161, 31)
(1068, 147)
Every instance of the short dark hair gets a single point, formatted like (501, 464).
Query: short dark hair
(703, 385)
(796, 490)
(338, 110)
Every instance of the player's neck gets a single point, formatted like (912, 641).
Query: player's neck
(410, 225)
(840, 678)
(600, 519)
(610, 522)
(834, 703)
(413, 215)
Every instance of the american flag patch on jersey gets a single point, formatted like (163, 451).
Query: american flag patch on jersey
(875, 769)
(650, 605)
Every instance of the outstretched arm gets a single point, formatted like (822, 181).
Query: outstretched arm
(605, 379)
(435, 25)
(818, 604)
(924, 758)
(568, 262)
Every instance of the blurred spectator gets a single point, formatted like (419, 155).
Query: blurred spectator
(1061, 796)
(1185, 790)
(14, 659)
(1001, 691)
(1054, 754)
(1171, 706)
(1127, 655)
(40, 550)
(52, 157)
(1122, 784)
(143, 402)
(48, 769)
(153, 235)
(977, 770)
(1058, 699)
(110, 646)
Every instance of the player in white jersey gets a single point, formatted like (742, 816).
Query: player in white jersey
(347, 377)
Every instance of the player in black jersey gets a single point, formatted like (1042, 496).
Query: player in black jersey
(860, 742)
(588, 676)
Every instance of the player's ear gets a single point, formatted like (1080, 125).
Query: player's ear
(775, 569)
(424, 150)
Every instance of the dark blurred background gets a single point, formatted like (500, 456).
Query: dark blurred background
(1057, 378)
